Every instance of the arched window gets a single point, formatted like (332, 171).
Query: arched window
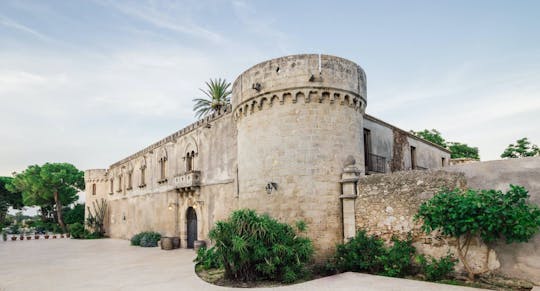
(119, 183)
(189, 162)
(163, 166)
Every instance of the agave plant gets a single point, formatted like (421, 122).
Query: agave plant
(252, 247)
(217, 96)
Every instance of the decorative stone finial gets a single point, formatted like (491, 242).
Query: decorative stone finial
(349, 161)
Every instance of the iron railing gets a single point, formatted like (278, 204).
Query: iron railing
(375, 163)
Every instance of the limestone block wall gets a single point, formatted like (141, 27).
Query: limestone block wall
(296, 131)
(152, 201)
(386, 204)
(521, 260)
(96, 187)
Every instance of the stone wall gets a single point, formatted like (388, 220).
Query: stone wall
(521, 260)
(296, 132)
(386, 204)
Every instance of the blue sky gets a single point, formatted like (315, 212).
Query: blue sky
(90, 82)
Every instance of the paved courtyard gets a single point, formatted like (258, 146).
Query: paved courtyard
(110, 264)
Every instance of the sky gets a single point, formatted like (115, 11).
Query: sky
(91, 82)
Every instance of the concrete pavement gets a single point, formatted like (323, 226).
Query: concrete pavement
(111, 264)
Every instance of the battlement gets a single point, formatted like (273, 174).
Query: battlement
(171, 138)
(95, 175)
(311, 77)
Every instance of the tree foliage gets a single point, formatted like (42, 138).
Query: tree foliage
(461, 150)
(457, 149)
(257, 247)
(522, 148)
(489, 214)
(8, 199)
(432, 135)
(75, 214)
(217, 96)
(52, 183)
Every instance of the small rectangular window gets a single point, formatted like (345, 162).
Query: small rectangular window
(413, 158)
(94, 189)
(112, 186)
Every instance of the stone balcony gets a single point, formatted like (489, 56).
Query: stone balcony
(188, 181)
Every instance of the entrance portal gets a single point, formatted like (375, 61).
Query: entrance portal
(191, 217)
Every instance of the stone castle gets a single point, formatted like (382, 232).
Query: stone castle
(293, 144)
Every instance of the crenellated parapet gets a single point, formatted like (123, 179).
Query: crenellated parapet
(309, 78)
(313, 94)
(173, 137)
(95, 176)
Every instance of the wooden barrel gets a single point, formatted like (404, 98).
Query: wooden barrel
(166, 243)
(175, 242)
(198, 244)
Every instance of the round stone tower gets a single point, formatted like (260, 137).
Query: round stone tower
(298, 118)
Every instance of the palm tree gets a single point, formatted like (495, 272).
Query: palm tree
(217, 96)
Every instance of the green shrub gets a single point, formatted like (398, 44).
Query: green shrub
(207, 258)
(146, 239)
(77, 230)
(489, 214)
(360, 254)
(136, 239)
(397, 260)
(14, 229)
(257, 247)
(436, 269)
(92, 235)
(368, 254)
(74, 215)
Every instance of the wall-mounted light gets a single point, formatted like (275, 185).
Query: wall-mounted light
(172, 204)
(271, 186)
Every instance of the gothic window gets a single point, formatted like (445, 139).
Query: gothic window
(143, 178)
(189, 162)
(111, 186)
(119, 189)
(94, 189)
(142, 181)
(129, 180)
(163, 168)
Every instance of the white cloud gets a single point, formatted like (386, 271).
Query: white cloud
(20, 27)
(167, 15)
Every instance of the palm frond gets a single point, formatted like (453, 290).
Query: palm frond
(217, 94)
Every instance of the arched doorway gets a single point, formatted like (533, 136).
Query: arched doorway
(191, 217)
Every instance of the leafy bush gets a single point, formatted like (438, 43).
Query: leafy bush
(489, 214)
(397, 260)
(365, 253)
(77, 230)
(436, 269)
(207, 258)
(146, 239)
(136, 239)
(14, 229)
(257, 247)
(360, 254)
(74, 215)
(92, 235)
